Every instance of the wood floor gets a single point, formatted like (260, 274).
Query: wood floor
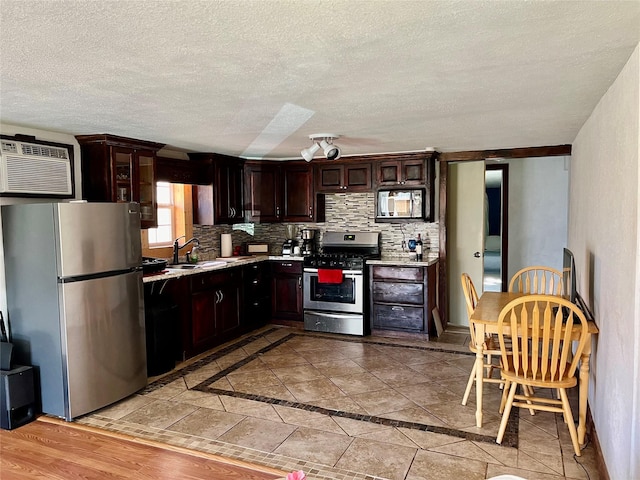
(52, 450)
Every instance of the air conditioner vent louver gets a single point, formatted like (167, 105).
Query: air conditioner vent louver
(27, 168)
(44, 151)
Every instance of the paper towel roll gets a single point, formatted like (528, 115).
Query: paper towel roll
(226, 249)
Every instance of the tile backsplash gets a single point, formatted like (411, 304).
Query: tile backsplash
(344, 212)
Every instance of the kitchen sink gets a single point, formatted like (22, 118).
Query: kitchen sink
(213, 263)
(183, 266)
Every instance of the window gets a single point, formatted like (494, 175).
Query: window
(164, 234)
(174, 220)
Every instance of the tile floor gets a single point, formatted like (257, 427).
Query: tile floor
(342, 407)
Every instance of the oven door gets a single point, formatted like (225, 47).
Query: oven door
(346, 296)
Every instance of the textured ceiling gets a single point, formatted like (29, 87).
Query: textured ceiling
(255, 78)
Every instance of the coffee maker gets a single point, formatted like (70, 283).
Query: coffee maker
(290, 243)
(308, 242)
(288, 247)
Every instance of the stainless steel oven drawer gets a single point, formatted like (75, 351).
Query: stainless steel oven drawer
(331, 322)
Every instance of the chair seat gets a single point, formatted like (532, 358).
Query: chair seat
(508, 373)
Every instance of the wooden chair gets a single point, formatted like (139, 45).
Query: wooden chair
(491, 347)
(536, 347)
(542, 280)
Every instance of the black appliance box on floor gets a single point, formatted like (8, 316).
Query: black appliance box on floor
(17, 403)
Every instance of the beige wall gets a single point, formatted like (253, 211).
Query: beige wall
(603, 235)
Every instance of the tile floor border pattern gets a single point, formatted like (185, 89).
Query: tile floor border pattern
(192, 367)
(510, 438)
(314, 471)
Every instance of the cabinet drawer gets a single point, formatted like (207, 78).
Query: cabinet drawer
(284, 266)
(398, 273)
(208, 281)
(398, 317)
(389, 292)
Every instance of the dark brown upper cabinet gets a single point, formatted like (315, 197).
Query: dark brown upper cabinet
(343, 177)
(402, 171)
(221, 201)
(297, 192)
(281, 192)
(187, 172)
(262, 202)
(119, 169)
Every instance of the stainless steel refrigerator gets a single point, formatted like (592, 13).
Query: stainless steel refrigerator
(75, 301)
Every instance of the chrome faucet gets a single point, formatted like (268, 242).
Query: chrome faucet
(177, 247)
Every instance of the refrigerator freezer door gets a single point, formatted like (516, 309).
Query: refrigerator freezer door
(105, 341)
(97, 237)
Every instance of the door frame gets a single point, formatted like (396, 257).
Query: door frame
(504, 219)
(465, 156)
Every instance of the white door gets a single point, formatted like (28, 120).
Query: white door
(465, 233)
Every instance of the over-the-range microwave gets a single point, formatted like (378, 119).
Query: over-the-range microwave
(400, 204)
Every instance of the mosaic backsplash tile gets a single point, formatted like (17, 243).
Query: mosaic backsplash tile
(344, 212)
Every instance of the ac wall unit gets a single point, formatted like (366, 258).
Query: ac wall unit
(35, 169)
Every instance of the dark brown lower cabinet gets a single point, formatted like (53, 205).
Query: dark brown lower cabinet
(216, 300)
(402, 299)
(286, 290)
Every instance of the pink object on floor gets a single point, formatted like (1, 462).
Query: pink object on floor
(299, 475)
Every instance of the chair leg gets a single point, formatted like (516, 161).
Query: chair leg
(507, 411)
(472, 378)
(489, 366)
(528, 392)
(505, 394)
(566, 408)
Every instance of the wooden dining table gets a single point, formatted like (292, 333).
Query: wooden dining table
(485, 319)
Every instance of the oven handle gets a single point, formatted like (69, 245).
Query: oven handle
(344, 272)
(333, 314)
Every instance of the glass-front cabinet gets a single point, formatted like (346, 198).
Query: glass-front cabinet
(119, 169)
(147, 185)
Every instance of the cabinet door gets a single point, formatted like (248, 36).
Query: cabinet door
(330, 178)
(262, 193)
(286, 297)
(203, 314)
(235, 188)
(388, 173)
(227, 310)
(145, 161)
(298, 193)
(228, 193)
(124, 172)
(413, 172)
(221, 189)
(357, 178)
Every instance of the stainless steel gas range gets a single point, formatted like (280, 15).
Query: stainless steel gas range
(334, 285)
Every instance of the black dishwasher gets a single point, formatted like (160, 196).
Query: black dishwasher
(161, 321)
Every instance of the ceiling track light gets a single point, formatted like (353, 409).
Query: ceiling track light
(324, 141)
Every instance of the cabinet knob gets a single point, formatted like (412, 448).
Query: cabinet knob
(255, 281)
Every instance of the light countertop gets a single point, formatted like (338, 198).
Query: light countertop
(214, 265)
(405, 261)
(222, 264)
